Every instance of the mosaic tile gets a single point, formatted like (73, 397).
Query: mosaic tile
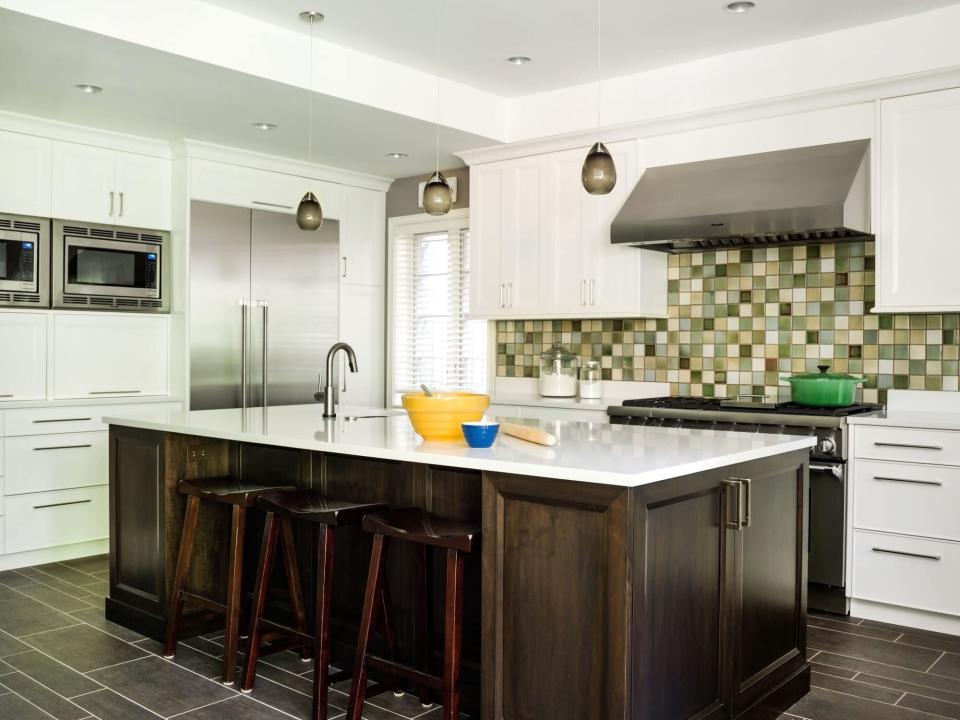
(737, 319)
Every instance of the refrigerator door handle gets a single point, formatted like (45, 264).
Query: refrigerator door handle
(265, 349)
(244, 304)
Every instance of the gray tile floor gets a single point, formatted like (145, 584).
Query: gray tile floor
(59, 658)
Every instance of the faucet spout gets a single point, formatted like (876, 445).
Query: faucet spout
(329, 401)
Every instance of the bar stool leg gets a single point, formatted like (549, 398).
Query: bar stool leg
(268, 548)
(453, 635)
(292, 570)
(234, 586)
(358, 687)
(175, 602)
(424, 588)
(326, 550)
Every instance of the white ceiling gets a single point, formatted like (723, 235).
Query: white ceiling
(476, 36)
(168, 97)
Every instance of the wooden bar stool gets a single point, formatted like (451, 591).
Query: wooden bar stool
(241, 496)
(325, 514)
(416, 526)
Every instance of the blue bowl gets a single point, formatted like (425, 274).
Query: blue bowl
(480, 434)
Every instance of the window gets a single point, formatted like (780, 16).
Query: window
(433, 342)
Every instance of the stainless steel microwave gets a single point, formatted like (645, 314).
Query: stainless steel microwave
(24, 261)
(100, 267)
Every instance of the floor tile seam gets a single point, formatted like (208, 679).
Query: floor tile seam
(48, 689)
(61, 563)
(201, 707)
(942, 656)
(265, 704)
(914, 692)
(51, 575)
(878, 662)
(106, 632)
(49, 587)
(123, 662)
(30, 597)
(261, 660)
(42, 632)
(15, 693)
(923, 712)
(58, 662)
(867, 637)
(128, 699)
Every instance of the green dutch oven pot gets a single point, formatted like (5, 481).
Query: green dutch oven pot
(823, 389)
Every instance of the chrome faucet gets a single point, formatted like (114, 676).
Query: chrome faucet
(327, 393)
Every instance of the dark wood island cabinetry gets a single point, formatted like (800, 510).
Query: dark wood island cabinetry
(670, 600)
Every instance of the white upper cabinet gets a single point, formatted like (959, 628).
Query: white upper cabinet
(917, 258)
(23, 358)
(25, 166)
(362, 327)
(110, 187)
(102, 356)
(363, 237)
(541, 244)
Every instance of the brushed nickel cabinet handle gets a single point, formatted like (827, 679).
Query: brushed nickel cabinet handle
(72, 502)
(120, 214)
(501, 296)
(908, 480)
(748, 511)
(909, 446)
(583, 292)
(593, 291)
(737, 485)
(270, 204)
(113, 392)
(62, 447)
(344, 266)
(6, 395)
(51, 420)
(923, 556)
(111, 203)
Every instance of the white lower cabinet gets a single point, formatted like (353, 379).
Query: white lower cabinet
(55, 462)
(61, 517)
(98, 356)
(23, 356)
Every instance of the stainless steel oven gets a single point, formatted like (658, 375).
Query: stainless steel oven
(110, 268)
(24, 261)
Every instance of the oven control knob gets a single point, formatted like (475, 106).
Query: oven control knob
(827, 446)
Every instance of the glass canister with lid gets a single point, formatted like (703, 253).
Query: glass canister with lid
(558, 372)
(591, 380)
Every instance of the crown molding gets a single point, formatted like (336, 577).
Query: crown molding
(83, 135)
(195, 149)
(827, 98)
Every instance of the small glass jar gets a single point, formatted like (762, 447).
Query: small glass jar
(558, 372)
(591, 380)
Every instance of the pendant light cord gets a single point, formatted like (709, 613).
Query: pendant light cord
(437, 51)
(598, 70)
(310, 99)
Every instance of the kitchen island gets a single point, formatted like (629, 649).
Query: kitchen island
(654, 573)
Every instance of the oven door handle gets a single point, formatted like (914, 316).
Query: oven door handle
(835, 470)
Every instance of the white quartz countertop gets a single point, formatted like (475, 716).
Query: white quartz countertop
(598, 452)
(911, 419)
(559, 403)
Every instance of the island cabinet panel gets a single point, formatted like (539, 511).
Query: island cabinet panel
(556, 599)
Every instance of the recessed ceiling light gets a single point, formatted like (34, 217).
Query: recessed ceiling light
(739, 7)
(397, 156)
(264, 126)
(518, 60)
(89, 89)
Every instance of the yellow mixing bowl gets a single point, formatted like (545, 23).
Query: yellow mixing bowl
(439, 417)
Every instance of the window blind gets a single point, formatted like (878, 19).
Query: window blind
(434, 342)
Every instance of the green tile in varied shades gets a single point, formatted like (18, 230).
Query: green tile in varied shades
(737, 319)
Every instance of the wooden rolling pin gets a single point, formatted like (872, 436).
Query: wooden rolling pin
(530, 434)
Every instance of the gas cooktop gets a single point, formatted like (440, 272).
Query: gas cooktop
(732, 405)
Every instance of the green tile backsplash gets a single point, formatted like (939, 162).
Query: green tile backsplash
(738, 319)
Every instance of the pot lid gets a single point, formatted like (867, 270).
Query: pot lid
(824, 375)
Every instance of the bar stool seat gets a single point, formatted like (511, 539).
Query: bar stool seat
(240, 496)
(312, 506)
(425, 531)
(325, 514)
(228, 490)
(419, 526)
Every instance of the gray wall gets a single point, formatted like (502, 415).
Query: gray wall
(402, 195)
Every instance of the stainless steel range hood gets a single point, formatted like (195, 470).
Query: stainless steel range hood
(787, 197)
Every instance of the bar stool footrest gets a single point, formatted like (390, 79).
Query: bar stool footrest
(404, 671)
(215, 606)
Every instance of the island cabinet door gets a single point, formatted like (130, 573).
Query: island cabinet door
(682, 590)
(770, 588)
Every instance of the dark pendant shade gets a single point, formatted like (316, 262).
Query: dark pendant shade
(309, 214)
(437, 198)
(599, 173)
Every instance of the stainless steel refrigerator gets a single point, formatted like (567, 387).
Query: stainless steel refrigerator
(264, 306)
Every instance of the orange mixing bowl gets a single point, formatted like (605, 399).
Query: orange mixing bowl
(439, 417)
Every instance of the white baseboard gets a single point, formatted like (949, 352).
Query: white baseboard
(908, 617)
(54, 554)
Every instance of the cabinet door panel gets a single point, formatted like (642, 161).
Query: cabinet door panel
(106, 356)
(564, 280)
(48, 519)
(25, 174)
(83, 179)
(916, 245)
(143, 191)
(362, 237)
(362, 327)
(23, 361)
(55, 462)
(486, 292)
(520, 237)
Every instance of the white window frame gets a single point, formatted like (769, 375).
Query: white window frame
(418, 224)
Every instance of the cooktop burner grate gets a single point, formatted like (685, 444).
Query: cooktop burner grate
(716, 405)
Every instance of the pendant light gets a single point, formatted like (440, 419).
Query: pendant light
(437, 196)
(309, 212)
(599, 174)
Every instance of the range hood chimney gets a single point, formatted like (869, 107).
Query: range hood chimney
(787, 197)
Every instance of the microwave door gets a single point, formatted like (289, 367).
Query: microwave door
(110, 267)
(18, 262)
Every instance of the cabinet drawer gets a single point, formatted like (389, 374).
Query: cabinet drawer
(908, 445)
(912, 572)
(40, 520)
(50, 421)
(907, 498)
(56, 462)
